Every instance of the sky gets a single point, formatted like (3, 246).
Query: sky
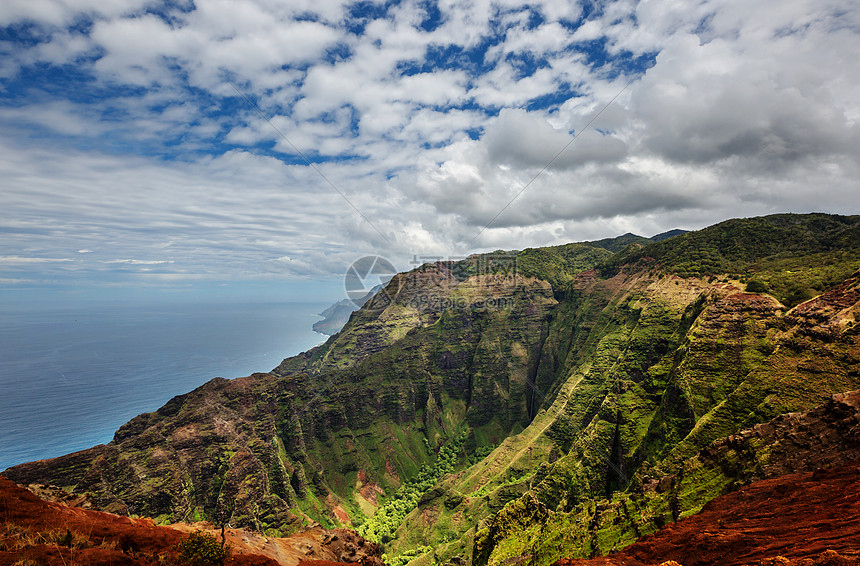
(256, 148)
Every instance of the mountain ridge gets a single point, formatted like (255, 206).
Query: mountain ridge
(787, 511)
(464, 390)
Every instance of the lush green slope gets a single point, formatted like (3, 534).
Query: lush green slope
(330, 435)
(741, 362)
(640, 372)
(792, 256)
(511, 404)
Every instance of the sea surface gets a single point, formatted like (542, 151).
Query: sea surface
(70, 376)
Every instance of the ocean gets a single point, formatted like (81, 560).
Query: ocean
(70, 376)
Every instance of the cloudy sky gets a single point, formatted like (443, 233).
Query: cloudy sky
(158, 144)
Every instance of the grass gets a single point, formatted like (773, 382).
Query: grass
(14, 537)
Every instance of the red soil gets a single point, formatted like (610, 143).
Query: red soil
(801, 519)
(32, 529)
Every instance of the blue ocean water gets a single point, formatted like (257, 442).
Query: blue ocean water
(70, 376)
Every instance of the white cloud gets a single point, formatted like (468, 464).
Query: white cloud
(17, 259)
(747, 107)
(59, 12)
(59, 116)
(138, 261)
(521, 139)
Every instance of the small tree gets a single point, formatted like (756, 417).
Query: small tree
(202, 549)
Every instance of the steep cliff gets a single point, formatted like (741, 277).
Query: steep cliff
(642, 370)
(511, 404)
(326, 434)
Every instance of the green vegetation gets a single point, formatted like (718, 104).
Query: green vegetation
(559, 264)
(500, 419)
(407, 556)
(202, 549)
(622, 243)
(653, 381)
(791, 256)
(793, 280)
(381, 527)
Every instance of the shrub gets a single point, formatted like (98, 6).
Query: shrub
(202, 549)
(756, 286)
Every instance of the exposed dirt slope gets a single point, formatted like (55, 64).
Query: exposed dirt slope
(49, 532)
(315, 544)
(797, 517)
(52, 533)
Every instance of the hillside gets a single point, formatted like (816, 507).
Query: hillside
(806, 516)
(827, 436)
(476, 410)
(36, 531)
(809, 519)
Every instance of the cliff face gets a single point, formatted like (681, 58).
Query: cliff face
(489, 412)
(326, 434)
(662, 368)
(337, 315)
(334, 317)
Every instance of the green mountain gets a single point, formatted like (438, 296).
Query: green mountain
(336, 316)
(513, 405)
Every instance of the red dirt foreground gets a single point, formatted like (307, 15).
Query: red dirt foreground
(34, 531)
(810, 519)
